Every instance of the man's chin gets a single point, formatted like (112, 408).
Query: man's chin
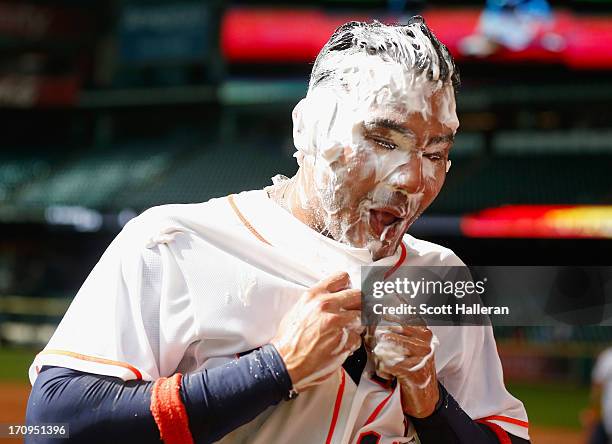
(362, 236)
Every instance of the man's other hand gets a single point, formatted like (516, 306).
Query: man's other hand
(407, 353)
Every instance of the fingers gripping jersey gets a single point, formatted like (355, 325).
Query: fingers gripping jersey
(187, 287)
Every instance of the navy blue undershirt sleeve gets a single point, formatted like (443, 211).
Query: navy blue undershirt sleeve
(96, 408)
(103, 409)
(221, 399)
(449, 424)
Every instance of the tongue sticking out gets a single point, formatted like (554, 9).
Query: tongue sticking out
(379, 220)
(384, 217)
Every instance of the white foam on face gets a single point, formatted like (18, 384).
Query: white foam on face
(390, 162)
(328, 129)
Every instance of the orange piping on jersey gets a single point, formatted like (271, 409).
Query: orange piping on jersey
(514, 421)
(378, 409)
(94, 359)
(399, 262)
(169, 411)
(337, 405)
(244, 220)
(500, 433)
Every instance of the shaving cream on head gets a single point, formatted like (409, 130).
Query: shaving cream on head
(384, 68)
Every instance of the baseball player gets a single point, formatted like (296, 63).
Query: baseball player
(238, 319)
(600, 412)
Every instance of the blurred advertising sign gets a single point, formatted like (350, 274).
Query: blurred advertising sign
(267, 34)
(176, 32)
(27, 91)
(38, 79)
(30, 21)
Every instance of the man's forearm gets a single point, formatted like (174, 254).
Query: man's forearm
(106, 409)
(223, 398)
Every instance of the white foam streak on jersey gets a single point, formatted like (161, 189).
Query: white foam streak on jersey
(186, 287)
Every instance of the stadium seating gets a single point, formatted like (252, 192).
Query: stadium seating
(93, 177)
(525, 179)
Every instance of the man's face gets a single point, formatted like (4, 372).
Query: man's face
(390, 175)
(386, 173)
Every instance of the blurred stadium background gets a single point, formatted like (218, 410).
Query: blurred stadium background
(110, 107)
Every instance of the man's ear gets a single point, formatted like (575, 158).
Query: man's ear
(448, 165)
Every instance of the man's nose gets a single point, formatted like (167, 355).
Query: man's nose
(410, 175)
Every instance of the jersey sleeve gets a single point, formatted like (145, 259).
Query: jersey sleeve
(469, 367)
(133, 317)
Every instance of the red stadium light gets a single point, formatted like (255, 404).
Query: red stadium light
(540, 221)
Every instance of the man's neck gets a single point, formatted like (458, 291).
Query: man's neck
(291, 194)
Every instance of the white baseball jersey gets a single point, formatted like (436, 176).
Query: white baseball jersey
(187, 287)
(602, 374)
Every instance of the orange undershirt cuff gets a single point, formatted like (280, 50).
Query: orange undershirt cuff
(169, 411)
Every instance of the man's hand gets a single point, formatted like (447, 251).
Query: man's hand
(321, 330)
(407, 353)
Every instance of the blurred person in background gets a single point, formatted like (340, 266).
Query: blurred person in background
(598, 418)
(512, 24)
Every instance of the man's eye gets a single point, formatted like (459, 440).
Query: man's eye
(434, 157)
(386, 145)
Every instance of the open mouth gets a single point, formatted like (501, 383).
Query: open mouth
(384, 222)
